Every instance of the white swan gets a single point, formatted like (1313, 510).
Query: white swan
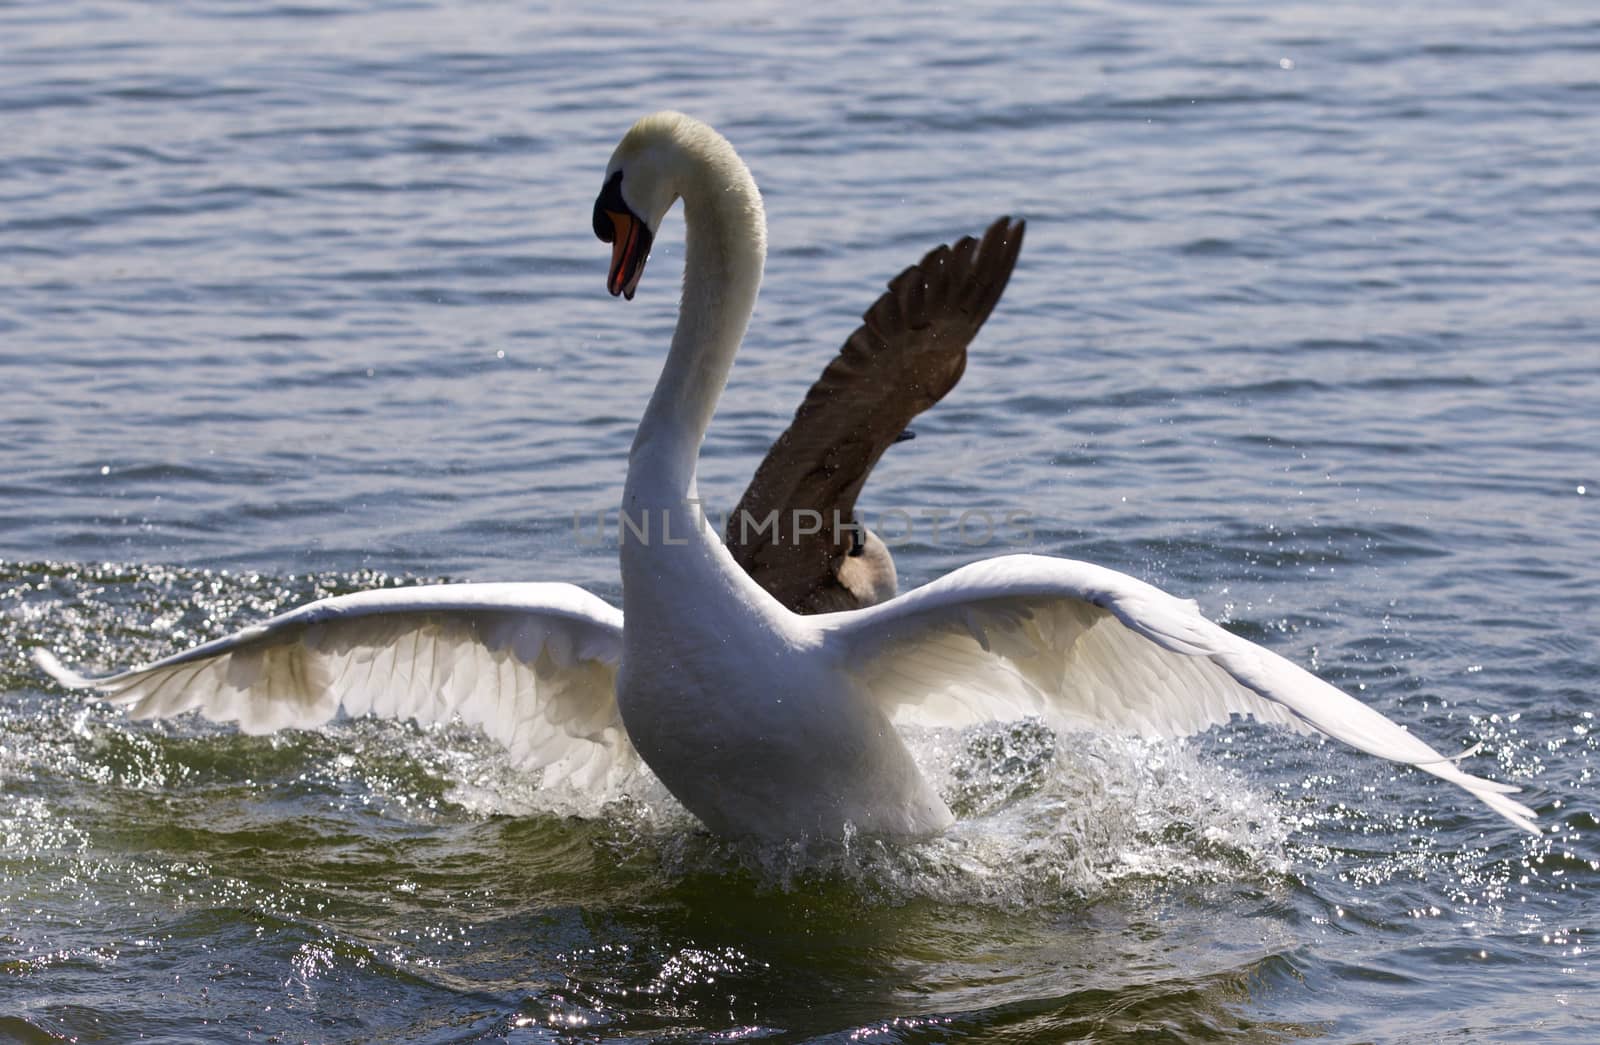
(761, 721)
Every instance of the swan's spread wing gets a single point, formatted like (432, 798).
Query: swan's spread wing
(1079, 644)
(533, 665)
(909, 351)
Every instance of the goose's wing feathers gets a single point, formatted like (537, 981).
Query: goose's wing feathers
(909, 351)
(533, 665)
(1080, 644)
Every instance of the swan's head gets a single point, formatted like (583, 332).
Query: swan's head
(617, 222)
(663, 157)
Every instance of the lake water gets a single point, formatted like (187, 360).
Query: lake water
(303, 298)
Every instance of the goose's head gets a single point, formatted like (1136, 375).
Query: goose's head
(867, 570)
(663, 157)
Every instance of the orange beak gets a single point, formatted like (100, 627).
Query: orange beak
(630, 248)
(630, 238)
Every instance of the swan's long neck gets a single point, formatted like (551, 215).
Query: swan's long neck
(677, 578)
(676, 575)
(724, 254)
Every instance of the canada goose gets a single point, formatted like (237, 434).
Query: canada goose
(795, 529)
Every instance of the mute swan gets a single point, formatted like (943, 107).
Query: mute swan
(761, 721)
(795, 529)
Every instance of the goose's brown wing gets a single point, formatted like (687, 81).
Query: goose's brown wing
(910, 350)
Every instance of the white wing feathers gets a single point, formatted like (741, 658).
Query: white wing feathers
(533, 665)
(1082, 645)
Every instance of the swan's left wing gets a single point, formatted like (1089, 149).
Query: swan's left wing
(533, 665)
(1079, 644)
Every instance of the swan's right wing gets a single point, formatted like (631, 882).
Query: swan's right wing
(909, 351)
(533, 665)
(1079, 644)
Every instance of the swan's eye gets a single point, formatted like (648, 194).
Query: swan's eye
(610, 199)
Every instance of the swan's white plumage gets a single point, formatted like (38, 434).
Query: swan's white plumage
(761, 721)
(533, 665)
(1081, 645)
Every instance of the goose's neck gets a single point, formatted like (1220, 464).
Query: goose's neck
(725, 250)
